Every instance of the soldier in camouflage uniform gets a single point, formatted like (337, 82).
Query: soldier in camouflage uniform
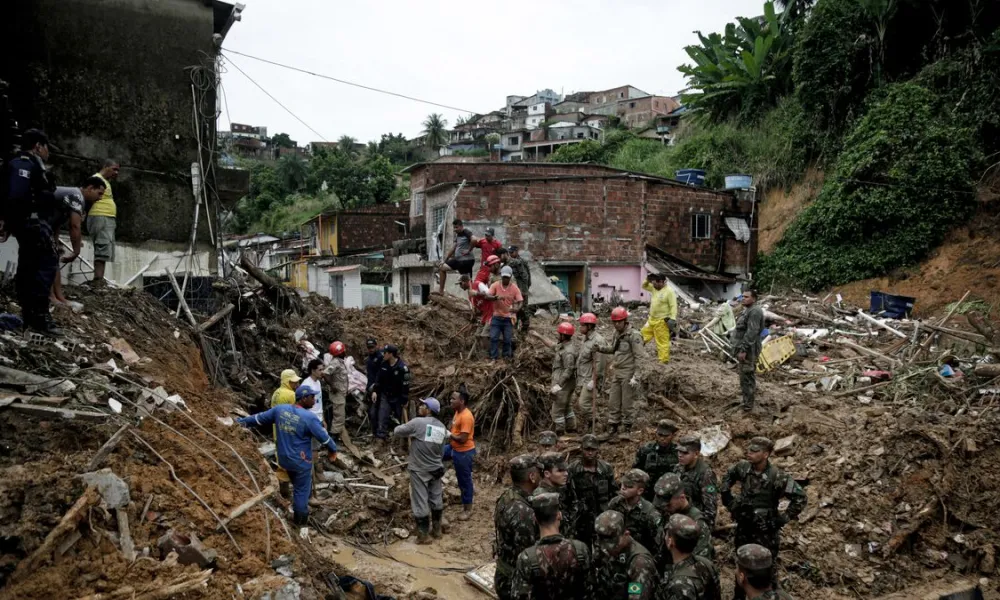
(555, 567)
(626, 348)
(762, 486)
(514, 520)
(593, 481)
(700, 482)
(590, 368)
(689, 577)
(746, 345)
(555, 480)
(547, 440)
(522, 277)
(671, 500)
(641, 519)
(659, 457)
(623, 568)
(755, 574)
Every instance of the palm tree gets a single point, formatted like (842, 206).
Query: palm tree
(435, 130)
(346, 144)
(795, 9)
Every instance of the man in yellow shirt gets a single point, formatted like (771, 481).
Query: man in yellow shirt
(101, 221)
(662, 314)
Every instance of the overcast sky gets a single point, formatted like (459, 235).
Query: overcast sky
(468, 55)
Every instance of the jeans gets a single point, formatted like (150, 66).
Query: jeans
(501, 326)
(463, 469)
(301, 490)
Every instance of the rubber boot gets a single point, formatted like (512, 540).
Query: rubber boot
(300, 519)
(571, 425)
(466, 513)
(285, 489)
(423, 530)
(436, 523)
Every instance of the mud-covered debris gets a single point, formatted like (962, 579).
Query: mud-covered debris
(785, 446)
(113, 490)
(189, 549)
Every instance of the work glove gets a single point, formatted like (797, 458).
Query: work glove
(672, 325)
(332, 456)
(590, 384)
(634, 382)
(556, 389)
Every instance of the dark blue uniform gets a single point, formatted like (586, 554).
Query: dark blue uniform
(393, 387)
(373, 363)
(28, 213)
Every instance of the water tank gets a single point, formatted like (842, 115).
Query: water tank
(691, 176)
(739, 182)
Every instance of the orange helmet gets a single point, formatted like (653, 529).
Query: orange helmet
(566, 328)
(588, 318)
(337, 349)
(493, 259)
(619, 313)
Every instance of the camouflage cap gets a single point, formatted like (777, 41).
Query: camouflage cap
(635, 477)
(545, 501)
(548, 438)
(610, 524)
(753, 557)
(760, 443)
(590, 442)
(524, 462)
(668, 486)
(682, 527)
(692, 443)
(552, 460)
(666, 427)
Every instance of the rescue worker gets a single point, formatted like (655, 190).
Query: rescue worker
(564, 380)
(548, 440)
(460, 257)
(338, 380)
(555, 480)
(593, 481)
(662, 319)
(589, 368)
(746, 346)
(514, 521)
(700, 483)
(285, 394)
(314, 379)
(488, 244)
(622, 568)
(659, 457)
(427, 437)
(762, 486)
(373, 362)
(555, 567)
(491, 267)
(670, 500)
(626, 348)
(506, 298)
(30, 197)
(690, 577)
(390, 393)
(482, 310)
(755, 574)
(641, 518)
(522, 277)
(294, 426)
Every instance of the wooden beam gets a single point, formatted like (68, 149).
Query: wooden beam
(69, 522)
(216, 317)
(242, 508)
(108, 447)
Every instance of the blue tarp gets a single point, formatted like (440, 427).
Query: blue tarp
(890, 305)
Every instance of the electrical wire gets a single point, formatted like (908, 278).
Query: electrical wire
(351, 83)
(278, 102)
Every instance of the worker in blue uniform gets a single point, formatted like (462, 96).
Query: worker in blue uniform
(390, 394)
(294, 426)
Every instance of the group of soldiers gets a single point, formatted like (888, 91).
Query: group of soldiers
(573, 531)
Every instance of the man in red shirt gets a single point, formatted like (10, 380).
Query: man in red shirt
(488, 245)
(507, 301)
(482, 309)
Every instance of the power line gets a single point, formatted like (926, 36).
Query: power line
(278, 102)
(345, 82)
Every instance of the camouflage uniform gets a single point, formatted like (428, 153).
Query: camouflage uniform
(757, 558)
(755, 510)
(694, 577)
(618, 574)
(522, 277)
(746, 338)
(667, 488)
(641, 520)
(585, 365)
(555, 567)
(700, 483)
(594, 489)
(657, 460)
(516, 530)
(564, 375)
(626, 347)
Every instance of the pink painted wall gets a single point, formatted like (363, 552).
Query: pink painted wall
(627, 279)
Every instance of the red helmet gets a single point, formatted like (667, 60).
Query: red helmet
(493, 259)
(588, 318)
(619, 313)
(337, 349)
(566, 327)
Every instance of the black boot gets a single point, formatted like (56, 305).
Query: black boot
(300, 519)
(285, 489)
(423, 530)
(436, 523)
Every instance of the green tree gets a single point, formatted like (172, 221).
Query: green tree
(282, 140)
(346, 144)
(291, 173)
(435, 130)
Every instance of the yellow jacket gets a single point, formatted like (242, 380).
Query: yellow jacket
(662, 303)
(105, 206)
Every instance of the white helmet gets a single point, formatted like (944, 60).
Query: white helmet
(506, 272)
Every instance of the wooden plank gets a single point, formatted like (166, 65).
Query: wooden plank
(243, 508)
(108, 447)
(216, 317)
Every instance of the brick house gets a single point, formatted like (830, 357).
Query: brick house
(589, 225)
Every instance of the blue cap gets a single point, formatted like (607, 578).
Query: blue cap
(432, 404)
(302, 391)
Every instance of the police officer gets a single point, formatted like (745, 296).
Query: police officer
(555, 567)
(555, 480)
(671, 500)
(564, 380)
(746, 346)
(514, 521)
(373, 362)
(390, 393)
(641, 519)
(593, 480)
(623, 568)
(762, 486)
(659, 457)
(755, 574)
(23, 214)
(700, 483)
(690, 577)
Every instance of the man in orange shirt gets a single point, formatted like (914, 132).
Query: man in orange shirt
(461, 448)
(507, 301)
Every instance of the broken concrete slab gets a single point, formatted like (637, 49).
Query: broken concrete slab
(36, 383)
(112, 488)
(54, 411)
(189, 549)
(785, 446)
(122, 348)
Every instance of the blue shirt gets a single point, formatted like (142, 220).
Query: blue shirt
(372, 365)
(294, 426)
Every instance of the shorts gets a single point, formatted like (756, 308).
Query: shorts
(102, 233)
(462, 265)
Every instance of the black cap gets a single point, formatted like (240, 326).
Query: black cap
(30, 137)
(513, 249)
(392, 349)
(371, 342)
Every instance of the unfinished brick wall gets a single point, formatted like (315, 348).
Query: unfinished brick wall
(371, 227)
